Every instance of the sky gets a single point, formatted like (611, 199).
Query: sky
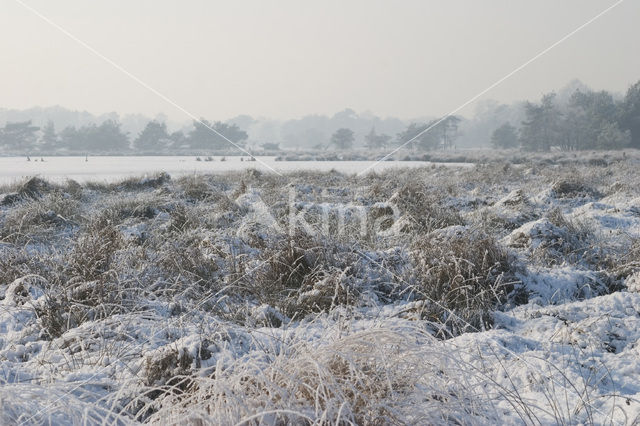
(285, 59)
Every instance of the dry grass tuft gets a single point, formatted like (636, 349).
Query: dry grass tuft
(301, 275)
(425, 208)
(462, 278)
(94, 250)
(573, 188)
(356, 379)
(36, 218)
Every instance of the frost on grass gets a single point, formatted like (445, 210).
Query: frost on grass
(500, 293)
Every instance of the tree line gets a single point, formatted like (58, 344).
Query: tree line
(588, 121)
(436, 134)
(108, 137)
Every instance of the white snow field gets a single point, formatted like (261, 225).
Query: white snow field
(492, 294)
(108, 169)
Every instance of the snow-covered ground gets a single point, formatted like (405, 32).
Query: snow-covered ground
(109, 169)
(493, 294)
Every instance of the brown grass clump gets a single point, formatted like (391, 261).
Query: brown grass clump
(73, 188)
(627, 263)
(29, 189)
(425, 209)
(572, 188)
(86, 289)
(94, 250)
(301, 276)
(16, 263)
(188, 257)
(162, 367)
(352, 380)
(140, 184)
(571, 241)
(462, 278)
(36, 217)
(287, 269)
(195, 188)
(34, 188)
(182, 219)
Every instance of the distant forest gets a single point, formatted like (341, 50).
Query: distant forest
(574, 118)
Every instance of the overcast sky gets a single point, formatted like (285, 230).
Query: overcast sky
(288, 58)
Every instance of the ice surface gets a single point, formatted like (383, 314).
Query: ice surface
(105, 168)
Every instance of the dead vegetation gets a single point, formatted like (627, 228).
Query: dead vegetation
(462, 278)
(300, 275)
(425, 208)
(572, 188)
(447, 248)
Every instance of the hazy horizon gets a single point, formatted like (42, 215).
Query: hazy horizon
(186, 120)
(288, 60)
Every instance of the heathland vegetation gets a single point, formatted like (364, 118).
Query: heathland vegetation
(488, 294)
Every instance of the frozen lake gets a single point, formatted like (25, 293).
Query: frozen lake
(113, 168)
